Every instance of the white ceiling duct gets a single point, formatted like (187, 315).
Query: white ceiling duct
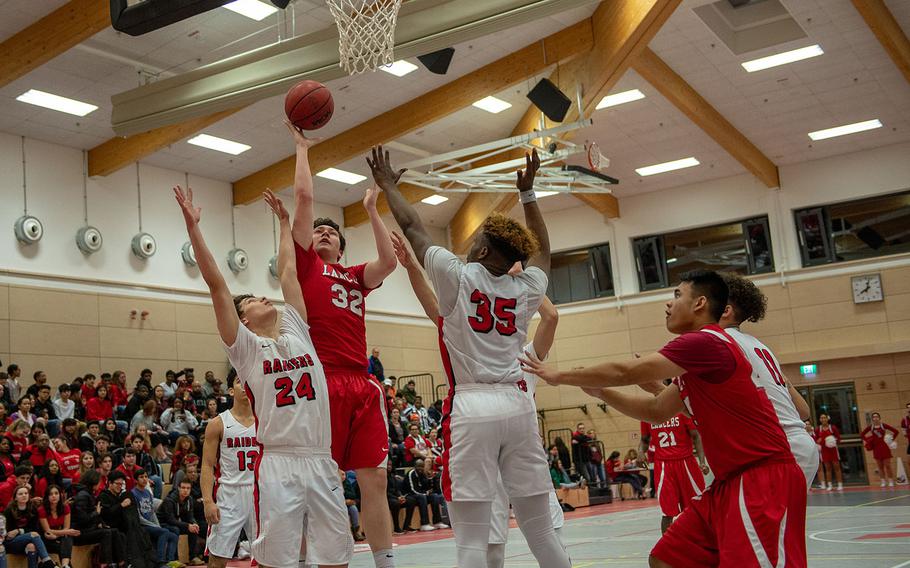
(423, 26)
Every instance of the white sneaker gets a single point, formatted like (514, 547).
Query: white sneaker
(830, 486)
(883, 483)
(441, 526)
(821, 486)
(427, 528)
(840, 486)
(891, 483)
(243, 550)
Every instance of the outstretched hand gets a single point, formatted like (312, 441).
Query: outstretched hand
(381, 167)
(402, 252)
(299, 139)
(276, 205)
(370, 197)
(531, 364)
(526, 178)
(191, 213)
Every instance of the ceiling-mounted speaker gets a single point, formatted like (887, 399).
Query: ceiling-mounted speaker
(29, 230)
(238, 261)
(438, 62)
(273, 267)
(281, 4)
(188, 254)
(89, 239)
(143, 17)
(144, 245)
(550, 100)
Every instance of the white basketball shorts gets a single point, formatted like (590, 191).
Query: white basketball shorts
(235, 503)
(806, 454)
(493, 428)
(297, 490)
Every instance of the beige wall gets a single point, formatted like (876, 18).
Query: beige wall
(68, 334)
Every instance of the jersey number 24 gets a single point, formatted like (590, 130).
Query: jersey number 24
(497, 314)
(303, 390)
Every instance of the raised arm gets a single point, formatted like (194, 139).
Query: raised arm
(546, 329)
(654, 367)
(287, 265)
(376, 270)
(419, 283)
(213, 431)
(302, 228)
(653, 409)
(533, 217)
(404, 213)
(225, 313)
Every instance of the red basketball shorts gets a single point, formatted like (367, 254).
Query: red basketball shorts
(678, 481)
(754, 519)
(360, 435)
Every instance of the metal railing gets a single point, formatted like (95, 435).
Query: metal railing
(423, 385)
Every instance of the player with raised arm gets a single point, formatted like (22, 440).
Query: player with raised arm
(334, 295)
(229, 456)
(296, 484)
(489, 421)
(754, 513)
(540, 346)
(748, 304)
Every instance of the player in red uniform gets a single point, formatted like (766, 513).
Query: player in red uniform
(754, 514)
(874, 436)
(677, 475)
(334, 296)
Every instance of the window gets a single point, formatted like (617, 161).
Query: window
(581, 274)
(864, 228)
(743, 247)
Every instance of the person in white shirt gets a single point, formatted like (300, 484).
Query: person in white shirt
(178, 421)
(63, 406)
(169, 385)
(12, 383)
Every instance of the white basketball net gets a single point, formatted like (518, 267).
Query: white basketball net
(366, 33)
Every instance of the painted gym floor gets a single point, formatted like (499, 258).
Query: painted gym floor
(857, 528)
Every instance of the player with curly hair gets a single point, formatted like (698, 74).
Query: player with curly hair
(489, 423)
(747, 303)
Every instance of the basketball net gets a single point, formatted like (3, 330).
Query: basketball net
(366, 33)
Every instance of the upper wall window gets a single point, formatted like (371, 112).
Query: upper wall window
(854, 230)
(581, 274)
(743, 247)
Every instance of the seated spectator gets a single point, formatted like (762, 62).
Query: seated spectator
(352, 502)
(148, 417)
(421, 411)
(44, 410)
(17, 432)
(37, 430)
(197, 399)
(99, 408)
(89, 385)
(54, 516)
(161, 403)
(4, 419)
(434, 442)
(90, 436)
(69, 459)
(183, 447)
(64, 407)
(176, 513)
(22, 529)
(408, 392)
(415, 445)
(616, 475)
(632, 462)
(397, 435)
(129, 468)
(39, 452)
(24, 410)
(21, 477)
(102, 446)
(421, 488)
(5, 400)
(105, 468)
(118, 392)
(47, 476)
(433, 477)
(119, 511)
(145, 461)
(562, 452)
(114, 433)
(190, 472)
(86, 463)
(169, 386)
(177, 421)
(435, 413)
(165, 540)
(398, 499)
(560, 477)
(69, 430)
(136, 402)
(86, 519)
(6, 458)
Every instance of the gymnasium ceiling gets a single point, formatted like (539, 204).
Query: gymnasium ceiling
(854, 80)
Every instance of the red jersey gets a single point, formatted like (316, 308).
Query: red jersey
(671, 440)
(69, 464)
(130, 474)
(334, 296)
(55, 523)
(737, 422)
(38, 458)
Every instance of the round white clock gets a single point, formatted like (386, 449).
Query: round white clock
(867, 288)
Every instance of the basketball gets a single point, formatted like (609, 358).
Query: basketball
(831, 442)
(309, 105)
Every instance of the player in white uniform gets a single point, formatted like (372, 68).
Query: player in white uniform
(543, 341)
(489, 421)
(228, 459)
(296, 484)
(747, 303)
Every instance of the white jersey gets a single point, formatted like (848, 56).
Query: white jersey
(237, 453)
(286, 385)
(484, 317)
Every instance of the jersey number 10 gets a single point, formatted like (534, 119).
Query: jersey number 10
(502, 308)
(303, 390)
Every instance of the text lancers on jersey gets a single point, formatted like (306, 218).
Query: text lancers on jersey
(332, 273)
(281, 366)
(671, 423)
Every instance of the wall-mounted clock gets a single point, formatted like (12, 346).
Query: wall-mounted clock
(867, 288)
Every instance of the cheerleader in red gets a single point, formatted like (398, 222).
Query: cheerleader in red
(875, 438)
(830, 457)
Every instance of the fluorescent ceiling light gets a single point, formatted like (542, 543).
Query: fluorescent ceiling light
(542, 194)
(620, 98)
(671, 260)
(845, 129)
(253, 9)
(399, 68)
(492, 104)
(434, 199)
(783, 58)
(219, 144)
(342, 176)
(667, 167)
(55, 102)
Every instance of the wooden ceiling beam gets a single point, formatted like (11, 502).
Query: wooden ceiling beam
(110, 156)
(559, 47)
(705, 116)
(889, 33)
(55, 33)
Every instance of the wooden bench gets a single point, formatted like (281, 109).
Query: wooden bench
(576, 497)
(82, 558)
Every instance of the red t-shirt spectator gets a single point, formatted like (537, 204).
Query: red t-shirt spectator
(38, 457)
(130, 475)
(117, 395)
(8, 467)
(99, 409)
(19, 444)
(88, 392)
(55, 523)
(419, 443)
(7, 489)
(69, 464)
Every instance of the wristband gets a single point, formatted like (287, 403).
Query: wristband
(527, 197)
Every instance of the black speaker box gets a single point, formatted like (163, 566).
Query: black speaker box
(550, 100)
(438, 62)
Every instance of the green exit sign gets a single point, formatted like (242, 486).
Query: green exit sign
(808, 370)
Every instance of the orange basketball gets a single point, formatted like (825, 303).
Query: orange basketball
(309, 105)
